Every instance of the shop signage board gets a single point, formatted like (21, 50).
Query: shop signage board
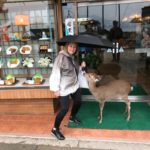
(143, 34)
(69, 27)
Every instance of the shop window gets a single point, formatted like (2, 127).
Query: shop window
(33, 29)
(109, 17)
(133, 18)
(87, 12)
(131, 22)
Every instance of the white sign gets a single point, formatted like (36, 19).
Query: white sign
(69, 26)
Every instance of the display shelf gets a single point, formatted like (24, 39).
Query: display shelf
(20, 84)
(20, 68)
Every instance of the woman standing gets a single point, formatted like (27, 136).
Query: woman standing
(64, 82)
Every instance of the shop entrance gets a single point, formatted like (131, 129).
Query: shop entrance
(130, 58)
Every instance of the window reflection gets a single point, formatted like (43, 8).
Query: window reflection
(129, 23)
(135, 59)
(110, 14)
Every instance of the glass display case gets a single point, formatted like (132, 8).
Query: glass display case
(27, 46)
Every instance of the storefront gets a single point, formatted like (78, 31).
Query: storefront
(29, 30)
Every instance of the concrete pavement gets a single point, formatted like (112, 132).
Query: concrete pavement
(33, 147)
(35, 143)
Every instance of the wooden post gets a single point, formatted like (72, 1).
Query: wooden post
(76, 17)
(58, 17)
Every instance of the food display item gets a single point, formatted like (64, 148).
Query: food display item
(26, 49)
(44, 62)
(29, 81)
(13, 62)
(28, 62)
(43, 48)
(37, 78)
(9, 79)
(25, 38)
(11, 50)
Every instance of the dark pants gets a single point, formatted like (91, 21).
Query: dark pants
(64, 102)
(116, 56)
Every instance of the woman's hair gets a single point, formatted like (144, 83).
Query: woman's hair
(66, 45)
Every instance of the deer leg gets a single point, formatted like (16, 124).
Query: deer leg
(101, 106)
(128, 109)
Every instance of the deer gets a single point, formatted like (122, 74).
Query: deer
(117, 89)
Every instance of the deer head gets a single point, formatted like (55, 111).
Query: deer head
(93, 77)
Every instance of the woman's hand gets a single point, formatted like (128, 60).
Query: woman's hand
(83, 65)
(57, 93)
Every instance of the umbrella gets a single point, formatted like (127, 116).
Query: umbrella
(93, 40)
(86, 40)
(67, 39)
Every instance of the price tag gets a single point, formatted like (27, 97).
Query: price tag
(50, 50)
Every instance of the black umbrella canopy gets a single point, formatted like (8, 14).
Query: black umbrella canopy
(86, 40)
(67, 39)
(93, 41)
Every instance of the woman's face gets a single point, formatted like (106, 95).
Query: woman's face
(72, 47)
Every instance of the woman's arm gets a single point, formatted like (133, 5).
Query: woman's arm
(55, 77)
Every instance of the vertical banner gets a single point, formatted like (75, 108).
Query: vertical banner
(143, 34)
(143, 39)
(69, 26)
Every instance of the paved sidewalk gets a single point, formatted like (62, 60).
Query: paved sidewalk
(78, 143)
(36, 147)
(35, 130)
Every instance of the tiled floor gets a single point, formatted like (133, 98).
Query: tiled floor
(40, 125)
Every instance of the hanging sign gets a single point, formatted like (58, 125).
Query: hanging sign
(69, 26)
